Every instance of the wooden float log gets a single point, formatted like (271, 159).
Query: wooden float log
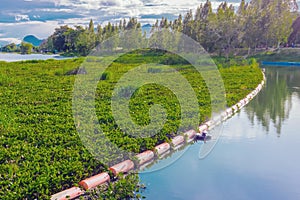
(229, 112)
(210, 123)
(144, 157)
(240, 105)
(177, 140)
(224, 116)
(203, 128)
(249, 97)
(162, 148)
(190, 135)
(235, 108)
(123, 167)
(94, 181)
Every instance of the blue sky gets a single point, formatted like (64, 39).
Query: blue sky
(19, 18)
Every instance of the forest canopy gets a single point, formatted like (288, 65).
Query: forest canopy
(256, 24)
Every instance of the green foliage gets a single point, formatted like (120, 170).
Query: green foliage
(171, 59)
(81, 41)
(26, 48)
(40, 150)
(41, 153)
(105, 76)
(240, 81)
(125, 187)
(256, 24)
(10, 48)
(223, 62)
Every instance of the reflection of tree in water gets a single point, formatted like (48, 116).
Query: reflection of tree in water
(274, 104)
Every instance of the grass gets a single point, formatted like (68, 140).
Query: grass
(40, 150)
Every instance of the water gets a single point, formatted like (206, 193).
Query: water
(257, 156)
(12, 57)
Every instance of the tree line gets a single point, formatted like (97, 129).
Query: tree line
(81, 41)
(256, 24)
(23, 48)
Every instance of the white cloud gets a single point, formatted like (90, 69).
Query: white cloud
(21, 29)
(20, 17)
(10, 40)
(96, 4)
(66, 10)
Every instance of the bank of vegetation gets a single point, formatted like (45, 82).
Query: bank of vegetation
(40, 150)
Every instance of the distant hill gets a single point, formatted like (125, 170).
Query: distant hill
(147, 26)
(33, 40)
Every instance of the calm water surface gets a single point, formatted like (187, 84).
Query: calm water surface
(12, 57)
(257, 156)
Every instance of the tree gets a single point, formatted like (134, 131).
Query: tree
(187, 26)
(134, 38)
(99, 35)
(209, 36)
(228, 28)
(282, 26)
(268, 23)
(26, 48)
(59, 38)
(83, 42)
(91, 35)
(10, 48)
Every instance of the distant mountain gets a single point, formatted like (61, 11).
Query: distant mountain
(33, 40)
(147, 26)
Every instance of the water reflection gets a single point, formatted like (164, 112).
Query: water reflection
(245, 164)
(273, 105)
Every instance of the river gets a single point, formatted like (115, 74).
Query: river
(257, 156)
(12, 57)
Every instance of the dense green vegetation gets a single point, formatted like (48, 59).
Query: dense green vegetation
(40, 150)
(23, 48)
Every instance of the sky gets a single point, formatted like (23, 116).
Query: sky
(19, 18)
